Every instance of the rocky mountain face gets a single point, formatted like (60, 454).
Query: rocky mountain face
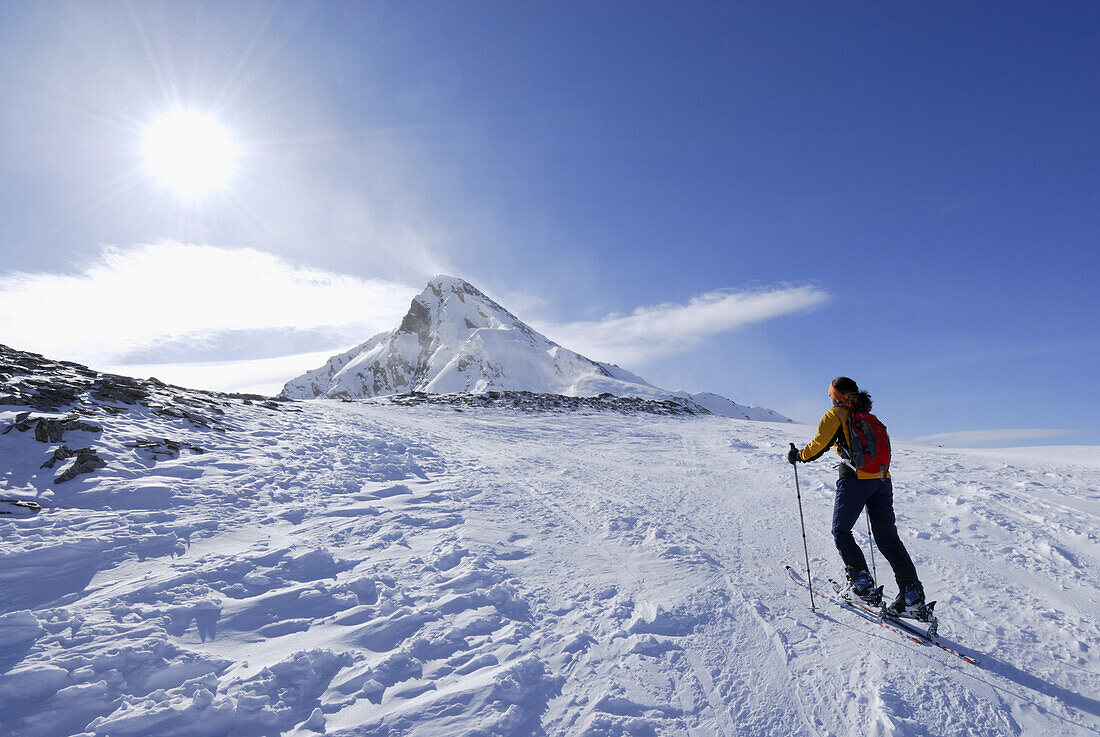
(455, 339)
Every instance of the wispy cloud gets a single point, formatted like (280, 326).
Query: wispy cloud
(245, 345)
(132, 300)
(220, 318)
(992, 438)
(257, 376)
(649, 333)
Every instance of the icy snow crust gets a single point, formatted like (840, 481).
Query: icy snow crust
(455, 339)
(371, 568)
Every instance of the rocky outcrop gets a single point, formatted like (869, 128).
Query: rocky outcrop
(536, 402)
(120, 389)
(87, 460)
(61, 453)
(48, 430)
(60, 397)
(164, 448)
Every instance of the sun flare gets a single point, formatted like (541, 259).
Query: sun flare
(189, 152)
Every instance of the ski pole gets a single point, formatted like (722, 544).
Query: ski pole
(802, 521)
(871, 541)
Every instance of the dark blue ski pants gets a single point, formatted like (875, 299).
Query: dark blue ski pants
(877, 495)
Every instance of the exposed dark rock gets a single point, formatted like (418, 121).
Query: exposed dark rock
(87, 460)
(51, 398)
(183, 414)
(119, 389)
(20, 425)
(61, 453)
(31, 380)
(48, 430)
(536, 402)
(165, 448)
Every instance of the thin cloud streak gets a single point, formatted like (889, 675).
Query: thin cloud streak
(145, 295)
(649, 333)
(992, 438)
(193, 312)
(260, 376)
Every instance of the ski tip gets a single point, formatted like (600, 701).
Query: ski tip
(931, 605)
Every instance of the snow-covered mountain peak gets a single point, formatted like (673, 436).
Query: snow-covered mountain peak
(450, 307)
(443, 286)
(454, 296)
(455, 339)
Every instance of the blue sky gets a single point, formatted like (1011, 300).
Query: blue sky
(928, 174)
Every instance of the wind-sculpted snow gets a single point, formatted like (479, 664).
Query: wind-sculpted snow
(402, 568)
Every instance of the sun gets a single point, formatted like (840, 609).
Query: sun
(189, 152)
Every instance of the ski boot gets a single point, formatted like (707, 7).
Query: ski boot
(910, 604)
(862, 585)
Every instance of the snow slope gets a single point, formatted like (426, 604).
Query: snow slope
(716, 404)
(368, 568)
(456, 339)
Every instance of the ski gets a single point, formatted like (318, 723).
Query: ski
(845, 604)
(932, 625)
(871, 614)
(930, 637)
(19, 507)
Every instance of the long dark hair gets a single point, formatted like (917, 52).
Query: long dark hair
(854, 399)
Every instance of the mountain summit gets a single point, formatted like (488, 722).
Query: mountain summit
(454, 338)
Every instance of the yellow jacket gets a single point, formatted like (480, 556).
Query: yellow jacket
(833, 430)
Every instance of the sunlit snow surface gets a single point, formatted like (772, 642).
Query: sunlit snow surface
(371, 569)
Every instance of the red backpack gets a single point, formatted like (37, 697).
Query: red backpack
(869, 445)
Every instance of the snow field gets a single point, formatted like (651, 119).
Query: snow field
(368, 569)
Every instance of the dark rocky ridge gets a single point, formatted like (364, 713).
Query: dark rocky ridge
(536, 402)
(45, 388)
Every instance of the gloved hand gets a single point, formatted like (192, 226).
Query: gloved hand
(792, 455)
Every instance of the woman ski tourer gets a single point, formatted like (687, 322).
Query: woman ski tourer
(864, 449)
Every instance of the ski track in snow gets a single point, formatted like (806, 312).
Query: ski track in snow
(369, 569)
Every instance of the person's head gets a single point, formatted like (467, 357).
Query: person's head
(846, 392)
